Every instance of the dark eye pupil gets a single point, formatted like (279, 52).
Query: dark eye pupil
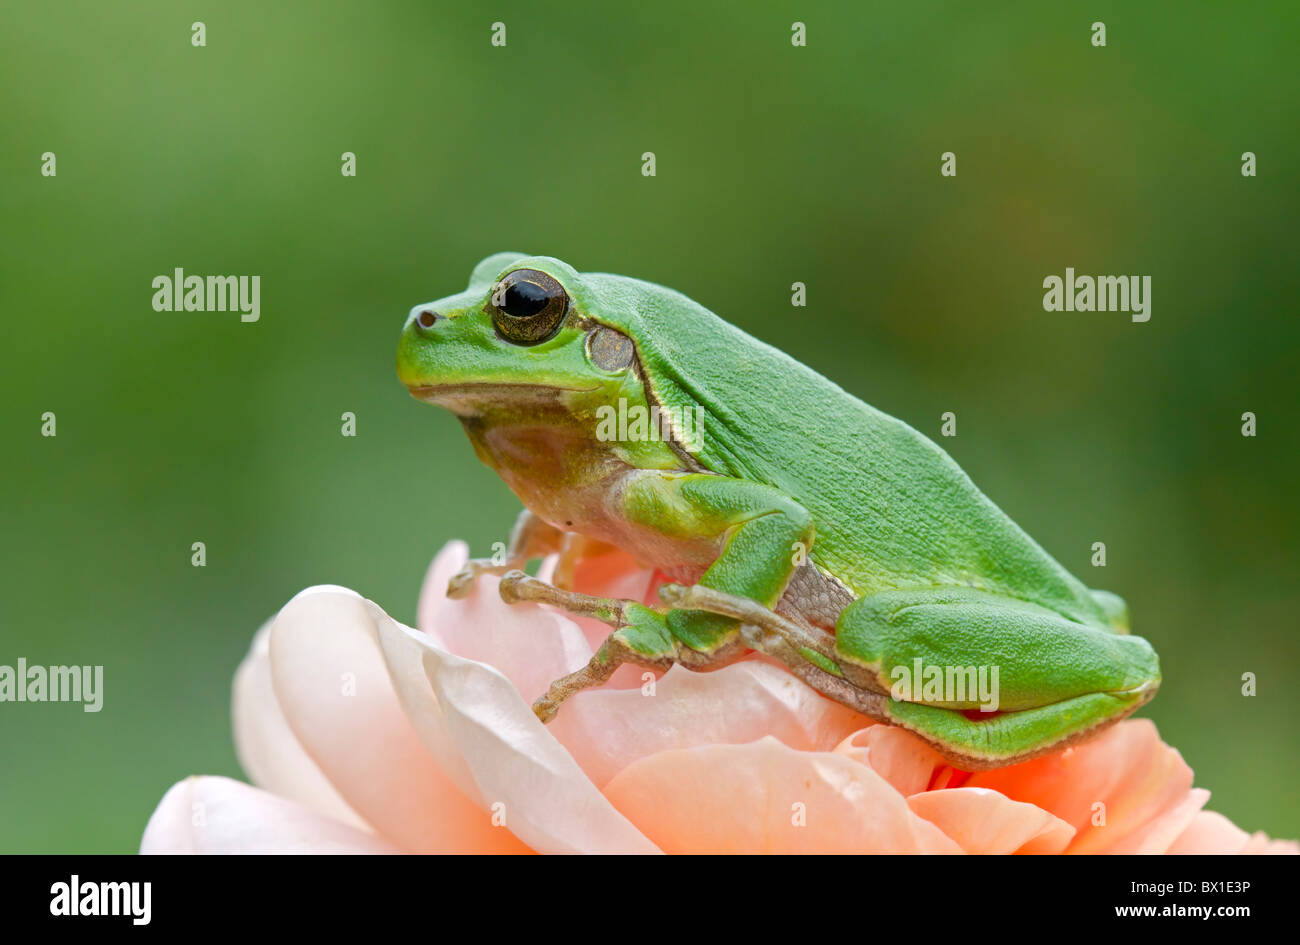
(527, 307)
(524, 299)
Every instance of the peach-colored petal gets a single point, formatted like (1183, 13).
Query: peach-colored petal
(1158, 833)
(984, 821)
(765, 797)
(331, 680)
(532, 645)
(487, 738)
(218, 815)
(433, 589)
(1259, 843)
(1142, 785)
(606, 730)
(267, 748)
(1210, 832)
(895, 754)
(612, 573)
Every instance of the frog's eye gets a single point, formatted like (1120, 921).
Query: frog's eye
(528, 307)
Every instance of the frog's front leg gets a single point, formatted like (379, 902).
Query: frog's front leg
(754, 532)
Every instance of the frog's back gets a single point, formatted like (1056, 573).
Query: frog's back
(892, 509)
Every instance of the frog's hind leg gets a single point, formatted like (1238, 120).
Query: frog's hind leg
(990, 680)
(1046, 685)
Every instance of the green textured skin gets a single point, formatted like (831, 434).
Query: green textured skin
(938, 571)
(892, 508)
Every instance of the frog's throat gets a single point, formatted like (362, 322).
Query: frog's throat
(472, 399)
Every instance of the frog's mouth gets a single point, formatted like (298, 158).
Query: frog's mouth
(469, 399)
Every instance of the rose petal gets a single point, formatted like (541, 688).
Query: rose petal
(1158, 833)
(984, 821)
(606, 730)
(895, 754)
(433, 590)
(532, 645)
(1210, 832)
(333, 684)
(612, 573)
(218, 815)
(267, 748)
(752, 798)
(1260, 843)
(1144, 785)
(514, 766)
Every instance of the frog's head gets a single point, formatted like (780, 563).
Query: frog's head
(518, 337)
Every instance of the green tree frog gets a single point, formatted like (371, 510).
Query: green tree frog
(791, 518)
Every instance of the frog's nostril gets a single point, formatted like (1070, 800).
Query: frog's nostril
(426, 318)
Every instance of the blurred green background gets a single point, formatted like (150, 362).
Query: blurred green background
(775, 164)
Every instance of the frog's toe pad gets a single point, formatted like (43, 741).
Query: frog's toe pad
(545, 709)
(512, 586)
(461, 583)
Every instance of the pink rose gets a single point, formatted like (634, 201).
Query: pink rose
(366, 736)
